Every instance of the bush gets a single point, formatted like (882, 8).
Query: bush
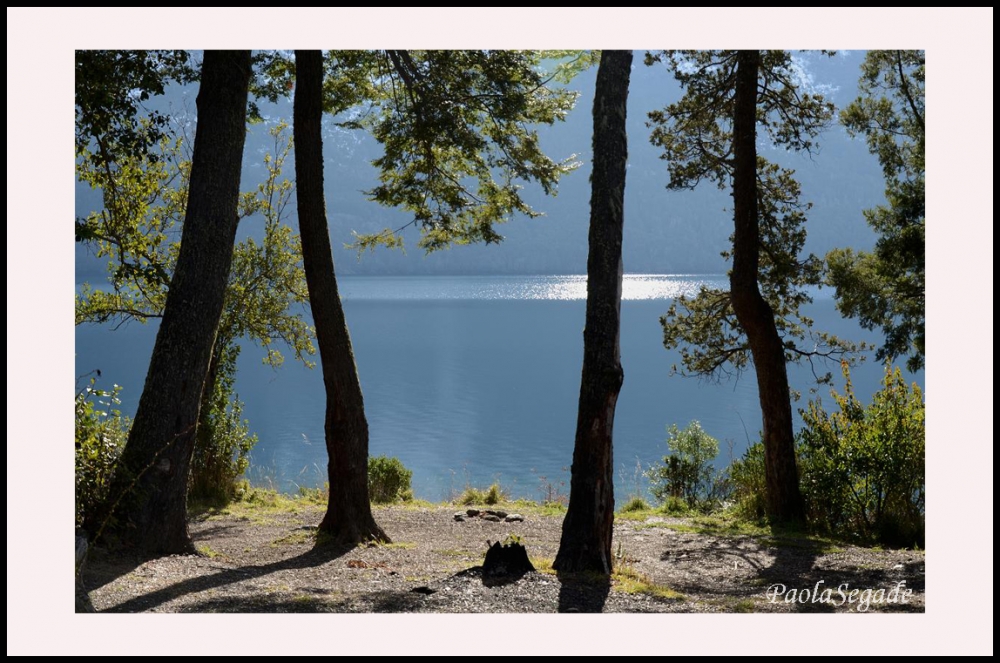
(490, 496)
(635, 504)
(748, 484)
(223, 444)
(675, 506)
(388, 480)
(686, 473)
(101, 433)
(862, 467)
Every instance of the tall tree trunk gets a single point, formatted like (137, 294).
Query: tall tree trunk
(348, 516)
(784, 501)
(150, 486)
(587, 528)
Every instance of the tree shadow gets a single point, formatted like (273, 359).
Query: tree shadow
(373, 602)
(765, 570)
(317, 556)
(583, 592)
(720, 551)
(794, 567)
(799, 564)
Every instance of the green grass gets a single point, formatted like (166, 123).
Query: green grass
(720, 526)
(296, 538)
(802, 542)
(257, 504)
(744, 606)
(209, 552)
(543, 565)
(396, 545)
(412, 505)
(626, 578)
(491, 496)
(532, 508)
(636, 504)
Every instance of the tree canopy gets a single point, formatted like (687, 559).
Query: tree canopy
(696, 136)
(712, 134)
(885, 288)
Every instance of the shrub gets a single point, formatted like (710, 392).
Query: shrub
(388, 480)
(635, 504)
(862, 467)
(748, 484)
(490, 496)
(675, 506)
(687, 472)
(494, 495)
(101, 433)
(223, 444)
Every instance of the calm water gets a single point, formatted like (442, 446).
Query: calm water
(472, 379)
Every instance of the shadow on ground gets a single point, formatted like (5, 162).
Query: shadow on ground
(314, 557)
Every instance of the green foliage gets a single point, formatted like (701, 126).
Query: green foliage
(748, 484)
(494, 494)
(491, 496)
(635, 504)
(388, 480)
(110, 89)
(457, 137)
(675, 506)
(696, 136)
(863, 466)
(686, 473)
(223, 443)
(101, 433)
(138, 231)
(885, 288)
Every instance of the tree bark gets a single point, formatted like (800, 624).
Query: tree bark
(784, 501)
(348, 516)
(150, 486)
(587, 528)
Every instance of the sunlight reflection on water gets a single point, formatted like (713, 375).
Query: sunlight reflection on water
(567, 288)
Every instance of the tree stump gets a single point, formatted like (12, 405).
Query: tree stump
(506, 560)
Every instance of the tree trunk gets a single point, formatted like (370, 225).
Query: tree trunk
(784, 501)
(150, 487)
(348, 516)
(587, 528)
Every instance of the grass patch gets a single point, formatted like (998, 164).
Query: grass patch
(411, 504)
(257, 504)
(720, 526)
(744, 606)
(532, 508)
(309, 600)
(491, 496)
(208, 551)
(636, 504)
(625, 578)
(543, 565)
(637, 515)
(810, 543)
(396, 545)
(296, 538)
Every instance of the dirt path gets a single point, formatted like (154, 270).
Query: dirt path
(263, 559)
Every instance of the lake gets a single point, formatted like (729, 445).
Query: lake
(471, 379)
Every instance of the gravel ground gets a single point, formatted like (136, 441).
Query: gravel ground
(256, 559)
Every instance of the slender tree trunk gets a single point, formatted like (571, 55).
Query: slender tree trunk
(784, 501)
(150, 487)
(348, 516)
(587, 528)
